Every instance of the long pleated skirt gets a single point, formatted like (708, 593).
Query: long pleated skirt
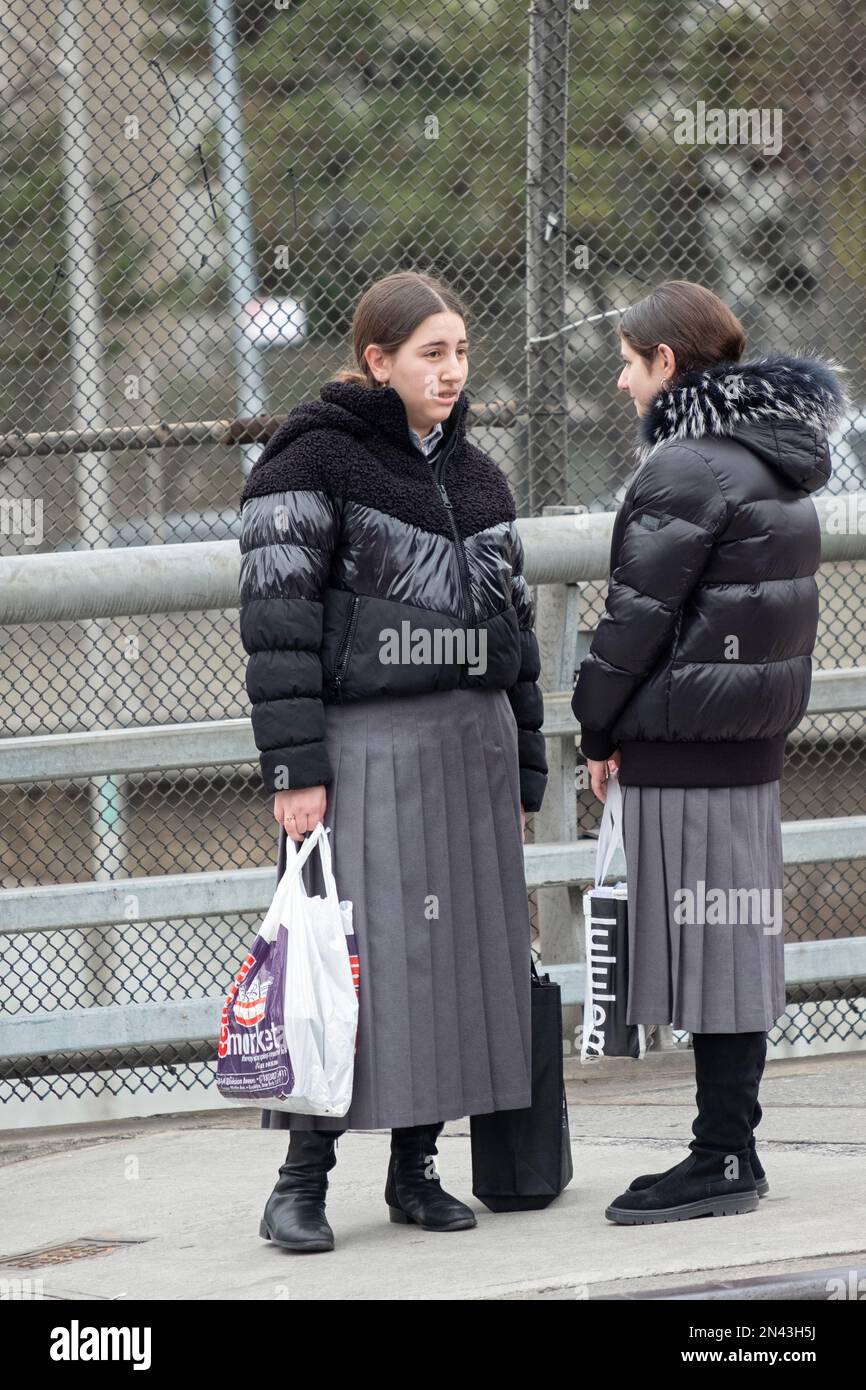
(700, 959)
(424, 811)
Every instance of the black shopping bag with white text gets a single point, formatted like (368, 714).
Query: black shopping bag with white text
(605, 1032)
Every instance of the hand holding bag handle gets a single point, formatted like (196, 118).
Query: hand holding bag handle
(331, 894)
(317, 838)
(610, 830)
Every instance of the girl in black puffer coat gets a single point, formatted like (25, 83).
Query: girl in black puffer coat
(393, 673)
(697, 673)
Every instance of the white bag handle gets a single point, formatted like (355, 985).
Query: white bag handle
(292, 881)
(610, 830)
(330, 882)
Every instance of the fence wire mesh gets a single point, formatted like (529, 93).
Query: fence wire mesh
(194, 195)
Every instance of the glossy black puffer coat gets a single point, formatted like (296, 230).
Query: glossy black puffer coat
(347, 533)
(701, 665)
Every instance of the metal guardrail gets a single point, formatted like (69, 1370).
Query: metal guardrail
(117, 1029)
(72, 906)
(152, 579)
(66, 585)
(224, 742)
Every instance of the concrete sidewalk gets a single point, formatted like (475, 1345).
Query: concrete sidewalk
(188, 1191)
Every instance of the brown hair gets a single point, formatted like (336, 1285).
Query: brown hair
(695, 324)
(389, 312)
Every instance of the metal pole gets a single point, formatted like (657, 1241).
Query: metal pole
(240, 238)
(557, 606)
(106, 797)
(546, 386)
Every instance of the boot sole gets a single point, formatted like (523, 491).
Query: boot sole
(401, 1218)
(300, 1247)
(762, 1187)
(736, 1205)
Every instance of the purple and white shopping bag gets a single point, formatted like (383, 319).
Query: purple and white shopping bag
(288, 1028)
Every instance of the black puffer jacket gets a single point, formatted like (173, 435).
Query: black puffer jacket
(701, 666)
(346, 532)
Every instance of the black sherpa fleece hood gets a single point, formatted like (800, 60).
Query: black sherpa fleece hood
(360, 411)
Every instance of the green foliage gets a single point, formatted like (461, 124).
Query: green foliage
(340, 99)
(848, 223)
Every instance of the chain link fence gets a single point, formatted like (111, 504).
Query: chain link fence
(194, 195)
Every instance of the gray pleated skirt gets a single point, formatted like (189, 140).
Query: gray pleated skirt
(717, 968)
(424, 811)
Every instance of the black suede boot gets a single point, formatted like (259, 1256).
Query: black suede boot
(716, 1179)
(761, 1183)
(295, 1211)
(413, 1190)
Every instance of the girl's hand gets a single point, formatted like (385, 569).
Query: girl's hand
(300, 811)
(600, 770)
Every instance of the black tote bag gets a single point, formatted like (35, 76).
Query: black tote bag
(521, 1159)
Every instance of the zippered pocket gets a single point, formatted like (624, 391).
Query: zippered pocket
(671, 660)
(345, 649)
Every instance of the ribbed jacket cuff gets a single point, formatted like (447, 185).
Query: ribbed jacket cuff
(292, 769)
(532, 787)
(596, 744)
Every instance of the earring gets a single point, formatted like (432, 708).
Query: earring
(664, 384)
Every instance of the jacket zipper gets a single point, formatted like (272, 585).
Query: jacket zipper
(343, 654)
(461, 556)
(438, 466)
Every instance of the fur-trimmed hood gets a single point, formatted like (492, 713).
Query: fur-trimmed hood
(781, 407)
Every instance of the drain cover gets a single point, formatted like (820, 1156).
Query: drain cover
(80, 1249)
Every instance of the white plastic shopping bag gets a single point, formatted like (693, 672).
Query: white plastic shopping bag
(605, 1032)
(288, 1028)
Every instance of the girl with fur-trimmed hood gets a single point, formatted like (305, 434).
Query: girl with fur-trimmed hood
(697, 673)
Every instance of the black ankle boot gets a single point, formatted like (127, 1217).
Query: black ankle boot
(295, 1211)
(413, 1190)
(762, 1185)
(757, 1167)
(761, 1182)
(717, 1178)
